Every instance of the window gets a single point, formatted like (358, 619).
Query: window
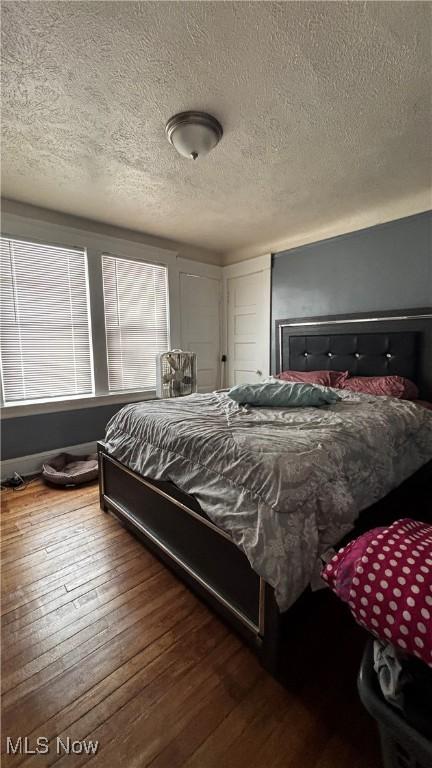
(45, 334)
(136, 321)
(51, 296)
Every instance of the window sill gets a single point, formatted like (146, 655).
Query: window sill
(75, 403)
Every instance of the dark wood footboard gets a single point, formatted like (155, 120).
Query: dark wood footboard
(174, 528)
(172, 525)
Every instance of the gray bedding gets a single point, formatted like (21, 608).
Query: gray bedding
(286, 484)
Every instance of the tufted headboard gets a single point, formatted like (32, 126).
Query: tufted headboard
(398, 343)
(362, 354)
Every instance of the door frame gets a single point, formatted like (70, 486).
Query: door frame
(241, 269)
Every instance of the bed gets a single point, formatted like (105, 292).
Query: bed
(186, 526)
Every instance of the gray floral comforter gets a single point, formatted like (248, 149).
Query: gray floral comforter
(286, 484)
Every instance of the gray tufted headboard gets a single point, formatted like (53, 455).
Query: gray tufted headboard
(372, 344)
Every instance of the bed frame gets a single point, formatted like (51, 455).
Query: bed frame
(174, 527)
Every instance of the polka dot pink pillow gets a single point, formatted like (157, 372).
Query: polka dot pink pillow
(385, 576)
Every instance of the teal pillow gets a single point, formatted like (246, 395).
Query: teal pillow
(287, 394)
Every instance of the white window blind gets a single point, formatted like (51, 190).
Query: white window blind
(136, 321)
(45, 334)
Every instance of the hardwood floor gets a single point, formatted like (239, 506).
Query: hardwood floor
(102, 642)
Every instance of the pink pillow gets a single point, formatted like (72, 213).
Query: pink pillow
(391, 386)
(385, 576)
(326, 378)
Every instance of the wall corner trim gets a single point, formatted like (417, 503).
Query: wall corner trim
(247, 267)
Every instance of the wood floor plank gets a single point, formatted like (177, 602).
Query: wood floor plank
(47, 508)
(27, 545)
(46, 501)
(54, 511)
(213, 716)
(289, 734)
(38, 495)
(29, 613)
(61, 518)
(142, 719)
(66, 680)
(164, 660)
(76, 615)
(241, 723)
(37, 605)
(48, 556)
(51, 523)
(71, 683)
(71, 576)
(124, 609)
(22, 596)
(101, 641)
(28, 574)
(29, 521)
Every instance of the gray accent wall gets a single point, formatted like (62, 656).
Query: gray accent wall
(386, 267)
(25, 435)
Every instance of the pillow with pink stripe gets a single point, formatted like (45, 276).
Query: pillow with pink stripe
(390, 386)
(324, 378)
(385, 576)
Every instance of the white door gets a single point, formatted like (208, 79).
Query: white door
(248, 325)
(200, 326)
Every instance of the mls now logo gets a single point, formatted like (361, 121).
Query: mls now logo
(22, 746)
(67, 746)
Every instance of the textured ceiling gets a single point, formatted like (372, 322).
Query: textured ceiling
(326, 109)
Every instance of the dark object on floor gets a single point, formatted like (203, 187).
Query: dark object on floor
(16, 481)
(402, 745)
(67, 469)
(406, 683)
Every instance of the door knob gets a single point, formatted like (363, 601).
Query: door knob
(259, 373)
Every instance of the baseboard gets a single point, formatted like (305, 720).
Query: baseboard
(30, 465)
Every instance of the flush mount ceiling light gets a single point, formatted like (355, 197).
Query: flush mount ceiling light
(193, 134)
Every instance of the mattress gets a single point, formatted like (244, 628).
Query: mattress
(285, 484)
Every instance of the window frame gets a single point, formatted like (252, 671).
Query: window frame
(42, 401)
(95, 245)
(113, 392)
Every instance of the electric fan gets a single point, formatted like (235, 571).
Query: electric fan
(175, 373)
